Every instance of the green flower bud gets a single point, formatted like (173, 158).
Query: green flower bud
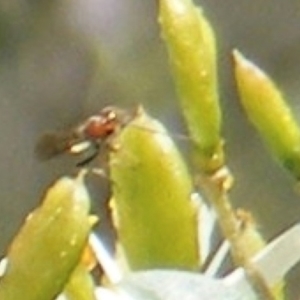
(80, 285)
(49, 245)
(269, 112)
(191, 45)
(155, 217)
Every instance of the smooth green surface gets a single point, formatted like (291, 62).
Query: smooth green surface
(49, 245)
(192, 51)
(80, 285)
(156, 219)
(269, 112)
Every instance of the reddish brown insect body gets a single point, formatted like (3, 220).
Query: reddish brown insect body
(102, 125)
(87, 137)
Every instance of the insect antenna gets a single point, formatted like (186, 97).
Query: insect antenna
(177, 136)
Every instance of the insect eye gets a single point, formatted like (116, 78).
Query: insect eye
(108, 114)
(112, 116)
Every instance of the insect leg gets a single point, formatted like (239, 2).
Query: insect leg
(95, 147)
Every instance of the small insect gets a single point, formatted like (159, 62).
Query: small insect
(88, 137)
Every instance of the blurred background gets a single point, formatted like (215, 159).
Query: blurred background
(63, 60)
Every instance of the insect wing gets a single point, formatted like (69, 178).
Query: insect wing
(52, 144)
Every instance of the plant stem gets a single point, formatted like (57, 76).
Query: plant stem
(216, 187)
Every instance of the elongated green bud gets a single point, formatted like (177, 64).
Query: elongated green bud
(191, 45)
(155, 217)
(80, 285)
(49, 245)
(269, 112)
